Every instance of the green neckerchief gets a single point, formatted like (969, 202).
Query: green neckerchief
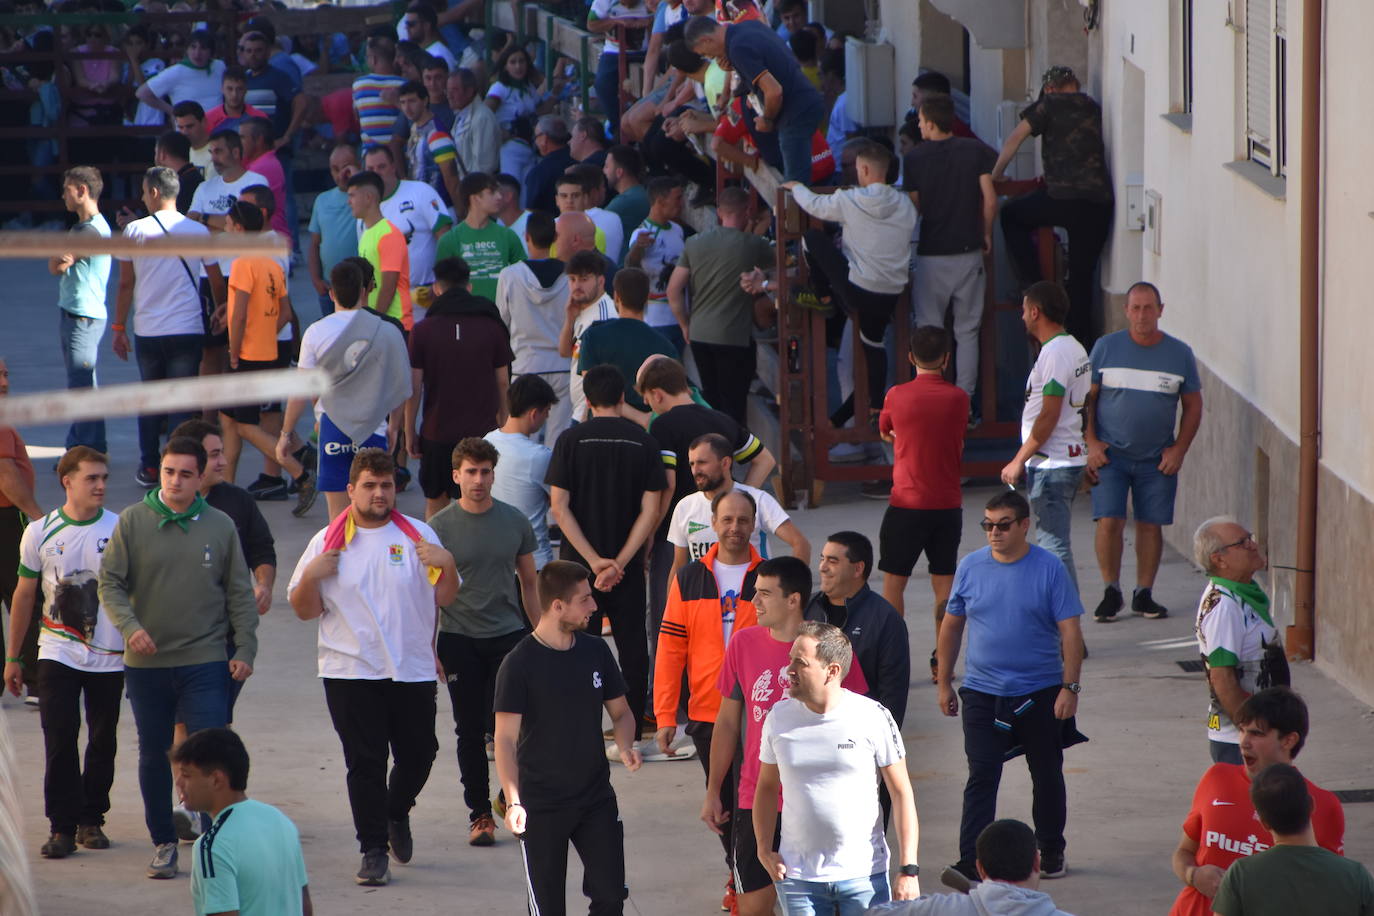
(186, 62)
(1250, 593)
(154, 501)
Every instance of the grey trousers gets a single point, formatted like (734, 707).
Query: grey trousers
(953, 283)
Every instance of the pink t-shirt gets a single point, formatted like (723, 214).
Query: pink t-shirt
(755, 672)
(269, 166)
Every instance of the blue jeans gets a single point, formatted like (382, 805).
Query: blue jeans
(200, 695)
(840, 898)
(790, 140)
(80, 349)
(1051, 497)
(170, 356)
(607, 86)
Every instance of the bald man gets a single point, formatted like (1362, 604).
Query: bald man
(576, 232)
(333, 228)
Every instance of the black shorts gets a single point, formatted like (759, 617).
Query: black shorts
(750, 875)
(436, 469)
(906, 533)
(250, 413)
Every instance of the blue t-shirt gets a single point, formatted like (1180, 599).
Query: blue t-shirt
(81, 288)
(1013, 612)
(1140, 387)
(337, 226)
(248, 862)
(754, 49)
(272, 91)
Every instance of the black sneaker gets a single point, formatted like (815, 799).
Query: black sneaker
(1144, 604)
(1111, 602)
(876, 489)
(402, 843)
(268, 488)
(59, 846)
(374, 872)
(402, 479)
(307, 455)
(1052, 865)
(961, 876)
(146, 477)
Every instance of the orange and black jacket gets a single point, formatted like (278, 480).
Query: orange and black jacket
(692, 637)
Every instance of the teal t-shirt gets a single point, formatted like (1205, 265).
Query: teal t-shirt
(624, 343)
(488, 251)
(81, 289)
(632, 206)
(337, 226)
(249, 861)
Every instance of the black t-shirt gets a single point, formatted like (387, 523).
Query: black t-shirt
(254, 536)
(945, 175)
(1072, 150)
(676, 430)
(606, 464)
(836, 614)
(559, 695)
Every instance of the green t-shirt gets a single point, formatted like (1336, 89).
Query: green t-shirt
(632, 207)
(722, 313)
(624, 343)
(249, 862)
(1295, 881)
(485, 546)
(488, 251)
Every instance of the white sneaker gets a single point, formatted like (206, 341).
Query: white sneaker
(649, 752)
(846, 453)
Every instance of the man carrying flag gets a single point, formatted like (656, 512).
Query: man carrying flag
(374, 578)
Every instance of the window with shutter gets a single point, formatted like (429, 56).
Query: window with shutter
(1259, 37)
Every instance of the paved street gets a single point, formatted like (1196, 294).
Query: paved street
(1129, 788)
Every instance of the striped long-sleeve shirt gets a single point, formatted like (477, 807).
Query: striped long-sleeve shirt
(376, 118)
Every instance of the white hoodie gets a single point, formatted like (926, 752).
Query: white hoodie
(989, 898)
(877, 222)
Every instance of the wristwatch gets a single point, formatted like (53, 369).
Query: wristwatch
(1073, 687)
(909, 871)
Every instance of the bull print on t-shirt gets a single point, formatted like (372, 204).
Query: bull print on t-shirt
(76, 604)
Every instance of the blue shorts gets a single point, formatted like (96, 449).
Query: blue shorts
(1152, 490)
(336, 455)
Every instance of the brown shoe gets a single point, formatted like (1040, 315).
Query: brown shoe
(482, 832)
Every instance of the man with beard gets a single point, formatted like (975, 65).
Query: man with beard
(376, 570)
(587, 304)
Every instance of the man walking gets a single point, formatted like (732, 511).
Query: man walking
(820, 747)
(626, 340)
(521, 483)
(487, 246)
(605, 482)
(1022, 612)
(375, 570)
(493, 548)
(80, 653)
(551, 692)
(383, 245)
(173, 581)
(81, 296)
(1140, 377)
(421, 215)
(1052, 454)
(333, 228)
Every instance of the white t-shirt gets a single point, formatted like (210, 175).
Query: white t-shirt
(602, 309)
(416, 209)
(214, 196)
(832, 826)
(666, 248)
(520, 483)
(184, 83)
(1231, 633)
(729, 584)
(690, 525)
(166, 300)
(615, 9)
(66, 556)
(379, 610)
(610, 226)
(318, 338)
(1063, 368)
(200, 158)
(441, 51)
(515, 102)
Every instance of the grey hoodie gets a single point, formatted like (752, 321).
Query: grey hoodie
(532, 297)
(989, 898)
(877, 222)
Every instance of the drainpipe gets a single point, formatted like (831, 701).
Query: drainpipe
(1298, 639)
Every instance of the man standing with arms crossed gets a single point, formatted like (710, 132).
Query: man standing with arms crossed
(173, 581)
(493, 547)
(79, 650)
(81, 296)
(1052, 454)
(1140, 376)
(550, 693)
(821, 746)
(375, 570)
(1022, 612)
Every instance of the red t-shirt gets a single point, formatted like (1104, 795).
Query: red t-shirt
(12, 447)
(732, 129)
(755, 672)
(1226, 827)
(928, 416)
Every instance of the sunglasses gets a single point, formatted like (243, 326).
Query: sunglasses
(1004, 525)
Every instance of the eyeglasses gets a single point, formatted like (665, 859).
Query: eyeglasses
(1248, 539)
(1004, 525)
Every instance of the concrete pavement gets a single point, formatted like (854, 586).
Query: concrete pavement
(1129, 787)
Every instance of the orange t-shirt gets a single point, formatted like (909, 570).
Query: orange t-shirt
(1224, 824)
(12, 447)
(262, 279)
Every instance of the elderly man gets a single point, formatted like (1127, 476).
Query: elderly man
(476, 134)
(551, 138)
(1235, 631)
(1140, 376)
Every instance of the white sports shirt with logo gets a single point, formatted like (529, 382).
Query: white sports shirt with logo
(691, 523)
(66, 556)
(1063, 369)
(1231, 633)
(416, 209)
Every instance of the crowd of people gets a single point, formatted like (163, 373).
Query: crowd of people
(521, 309)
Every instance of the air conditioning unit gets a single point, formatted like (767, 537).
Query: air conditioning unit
(1022, 165)
(870, 97)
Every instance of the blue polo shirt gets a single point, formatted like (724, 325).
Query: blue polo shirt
(1139, 390)
(81, 289)
(754, 49)
(1013, 612)
(337, 226)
